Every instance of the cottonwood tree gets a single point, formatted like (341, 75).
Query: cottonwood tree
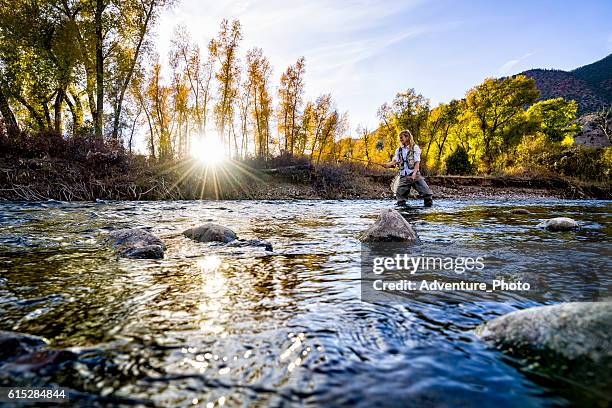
(159, 100)
(365, 137)
(408, 110)
(37, 60)
(138, 93)
(449, 117)
(556, 118)
(224, 49)
(78, 55)
(258, 73)
(290, 95)
(186, 61)
(244, 102)
(125, 49)
(497, 106)
(320, 122)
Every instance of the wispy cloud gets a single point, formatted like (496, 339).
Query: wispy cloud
(510, 65)
(329, 57)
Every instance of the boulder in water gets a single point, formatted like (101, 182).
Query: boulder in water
(13, 344)
(578, 332)
(390, 227)
(521, 211)
(210, 232)
(560, 224)
(136, 243)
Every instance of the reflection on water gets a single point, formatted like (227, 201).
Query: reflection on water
(213, 326)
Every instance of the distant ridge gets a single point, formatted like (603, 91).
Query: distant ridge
(590, 85)
(598, 75)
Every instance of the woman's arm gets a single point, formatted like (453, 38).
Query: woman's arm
(417, 161)
(390, 164)
(417, 165)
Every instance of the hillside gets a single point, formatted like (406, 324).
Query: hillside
(590, 86)
(598, 75)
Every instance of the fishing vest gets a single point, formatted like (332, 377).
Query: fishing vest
(406, 161)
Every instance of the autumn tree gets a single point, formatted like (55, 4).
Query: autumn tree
(408, 110)
(159, 97)
(244, 103)
(556, 118)
(76, 55)
(315, 119)
(497, 106)
(125, 49)
(290, 95)
(258, 73)
(37, 62)
(138, 92)
(449, 117)
(366, 140)
(224, 49)
(302, 136)
(186, 60)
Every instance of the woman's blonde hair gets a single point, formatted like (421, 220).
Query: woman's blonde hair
(408, 133)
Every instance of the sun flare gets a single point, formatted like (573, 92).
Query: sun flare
(208, 150)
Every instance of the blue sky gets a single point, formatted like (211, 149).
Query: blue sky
(363, 52)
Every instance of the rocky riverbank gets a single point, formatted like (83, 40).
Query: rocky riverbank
(42, 179)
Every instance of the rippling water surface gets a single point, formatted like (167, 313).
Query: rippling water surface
(214, 325)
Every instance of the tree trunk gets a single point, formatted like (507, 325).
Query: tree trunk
(128, 77)
(258, 144)
(57, 108)
(7, 114)
(205, 103)
(77, 111)
(132, 132)
(151, 134)
(293, 109)
(99, 70)
(33, 112)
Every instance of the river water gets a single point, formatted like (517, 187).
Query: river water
(213, 326)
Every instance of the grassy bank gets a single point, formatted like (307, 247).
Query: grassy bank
(105, 176)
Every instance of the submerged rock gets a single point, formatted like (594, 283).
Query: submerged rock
(40, 360)
(521, 211)
(577, 332)
(210, 232)
(560, 224)
(390, 227)
(251, 243)
(13, 344)
(136, 243)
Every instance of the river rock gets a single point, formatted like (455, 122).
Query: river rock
(390, 227)
(136, 243)
(560, 224)
(251, 243)
(13, 344)
(520, 211)
(210, 232)
(40, 360)
(578, 332)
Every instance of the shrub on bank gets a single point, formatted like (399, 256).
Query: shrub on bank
(96, 154)
(458, 162)
(537, 155)
(581, 162)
